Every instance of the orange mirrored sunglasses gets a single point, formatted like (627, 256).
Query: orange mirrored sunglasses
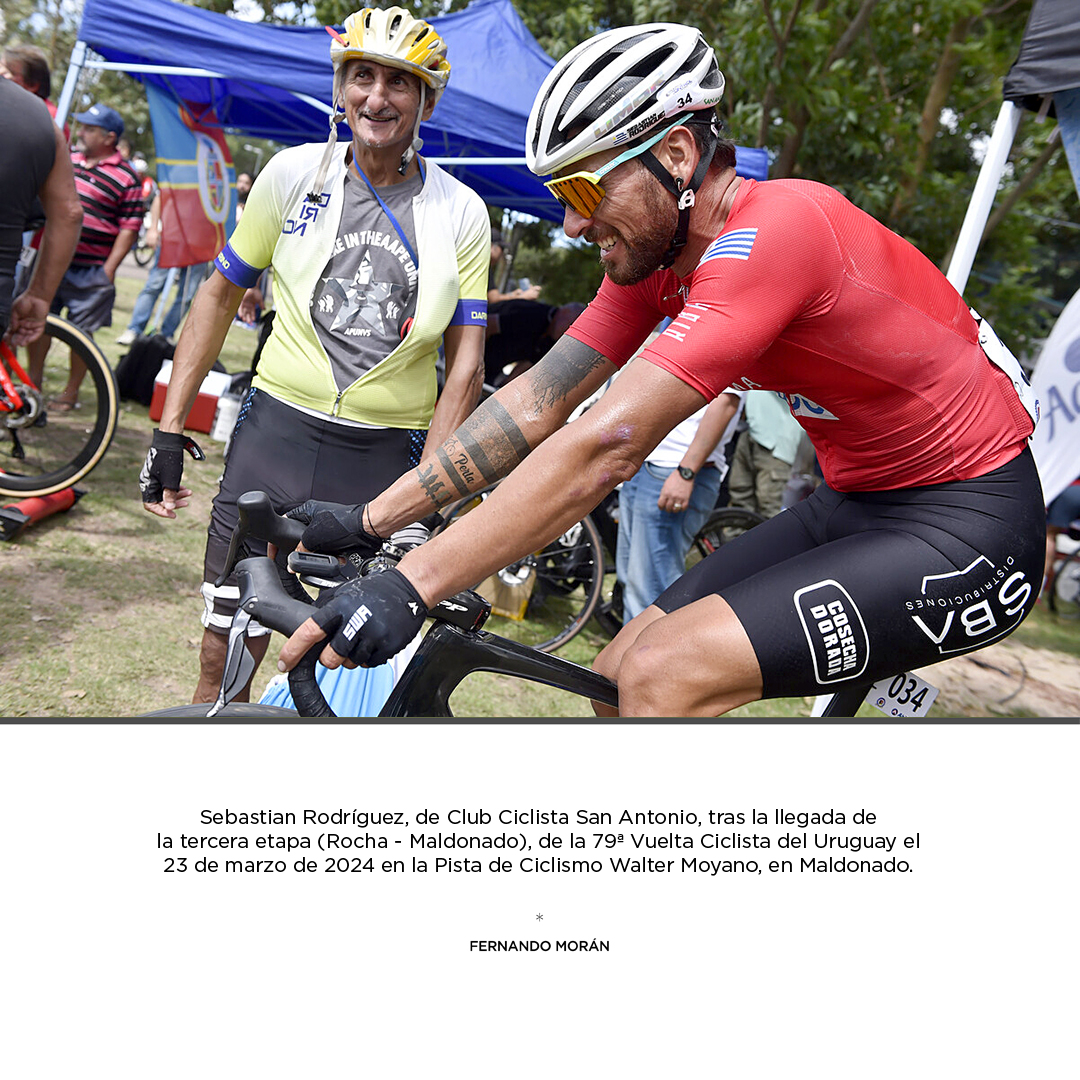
(582, 192)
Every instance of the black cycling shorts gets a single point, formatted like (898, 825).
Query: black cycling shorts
(864, 585)
(293, 457)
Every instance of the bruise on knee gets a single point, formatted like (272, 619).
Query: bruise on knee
(609, 658)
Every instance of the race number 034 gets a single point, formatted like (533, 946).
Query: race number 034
(903, 695)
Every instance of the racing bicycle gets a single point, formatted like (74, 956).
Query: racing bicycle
(46, 450)
(455, 645)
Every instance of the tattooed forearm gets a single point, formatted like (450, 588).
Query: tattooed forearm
(484, 449)
(461, 462)
(491, 443)
(562, 370)
(434, 487)
(518, 444)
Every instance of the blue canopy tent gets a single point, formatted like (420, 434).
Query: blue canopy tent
(273, 82)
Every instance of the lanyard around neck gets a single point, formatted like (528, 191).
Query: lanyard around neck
(386, 209)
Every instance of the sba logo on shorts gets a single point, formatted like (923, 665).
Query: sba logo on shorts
(834, 630)
(967, 609)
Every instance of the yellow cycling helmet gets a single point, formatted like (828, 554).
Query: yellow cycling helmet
(394, 37)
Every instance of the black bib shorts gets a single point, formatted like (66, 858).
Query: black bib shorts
(863, 585)
(293, 457)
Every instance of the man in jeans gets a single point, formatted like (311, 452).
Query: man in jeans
(110, 192)
(664, 505)
(187, 278)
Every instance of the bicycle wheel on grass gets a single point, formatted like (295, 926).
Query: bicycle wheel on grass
(1065, 588)
(47, 450)
(548, 596)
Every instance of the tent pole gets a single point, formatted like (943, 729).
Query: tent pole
(982, 198)
(75, 66)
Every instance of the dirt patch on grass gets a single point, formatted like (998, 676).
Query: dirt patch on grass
(1007, 679)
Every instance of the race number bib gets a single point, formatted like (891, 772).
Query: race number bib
(903, 695)
(999, 354)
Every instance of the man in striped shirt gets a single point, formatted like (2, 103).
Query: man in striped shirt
(110, 192)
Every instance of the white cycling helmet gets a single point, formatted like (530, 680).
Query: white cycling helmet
(617, 86)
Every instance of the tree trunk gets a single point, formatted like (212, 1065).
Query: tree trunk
(789, 151)
(938, 94)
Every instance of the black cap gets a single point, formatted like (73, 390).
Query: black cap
(496, 236)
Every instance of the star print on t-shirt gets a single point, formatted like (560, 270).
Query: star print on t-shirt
(374, 304)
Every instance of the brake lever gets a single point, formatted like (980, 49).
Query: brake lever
(257, 517)
(319, 570)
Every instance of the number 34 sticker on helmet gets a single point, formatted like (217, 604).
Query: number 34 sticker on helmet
(596, 98)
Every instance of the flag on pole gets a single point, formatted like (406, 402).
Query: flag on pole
(197, 179)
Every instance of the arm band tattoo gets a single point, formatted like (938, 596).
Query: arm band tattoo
(565, 367)
(510, 429)
(489, 443)
(447, 464)
(506, 447)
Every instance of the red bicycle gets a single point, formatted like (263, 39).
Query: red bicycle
(47, 450)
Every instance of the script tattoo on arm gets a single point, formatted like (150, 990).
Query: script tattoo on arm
(484, 449)
(490, 443)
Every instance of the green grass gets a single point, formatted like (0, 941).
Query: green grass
(1042, 629)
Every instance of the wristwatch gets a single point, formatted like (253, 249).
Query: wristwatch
(685, 473)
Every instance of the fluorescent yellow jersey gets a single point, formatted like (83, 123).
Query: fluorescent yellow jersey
(282, 229)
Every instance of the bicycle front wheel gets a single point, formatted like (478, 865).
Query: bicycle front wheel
(548, 596)
(48, 450)
(1065, 588)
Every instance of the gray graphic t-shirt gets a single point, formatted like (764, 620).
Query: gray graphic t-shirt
(367, 291)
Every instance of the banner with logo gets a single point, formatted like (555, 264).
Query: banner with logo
(1056, 382)
(197, 179)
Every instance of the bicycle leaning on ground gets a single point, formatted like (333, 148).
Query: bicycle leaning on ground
(454, 646)
(50, 451)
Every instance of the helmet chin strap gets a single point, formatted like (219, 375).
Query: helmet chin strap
(684, 195)
(315, 194)
(417, 142)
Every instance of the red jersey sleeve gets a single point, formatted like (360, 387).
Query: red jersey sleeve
(621, 317)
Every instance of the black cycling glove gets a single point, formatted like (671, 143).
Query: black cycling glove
(335, 528)
(164, 465)
(374, 617)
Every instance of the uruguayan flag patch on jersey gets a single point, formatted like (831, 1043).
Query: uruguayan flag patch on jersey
(732, 245)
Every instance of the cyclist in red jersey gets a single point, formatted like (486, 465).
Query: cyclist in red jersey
(927, 537)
